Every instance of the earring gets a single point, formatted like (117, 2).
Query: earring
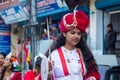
(64, 34)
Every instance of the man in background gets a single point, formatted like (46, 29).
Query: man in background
(110, 39)
(54, 31)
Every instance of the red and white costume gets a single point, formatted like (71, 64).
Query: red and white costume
(69, 65)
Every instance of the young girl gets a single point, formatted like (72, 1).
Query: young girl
(35, 73)
(70, 55)
(2, 57)
(11, 71)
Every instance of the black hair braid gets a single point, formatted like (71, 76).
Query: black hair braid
(3, 54)
(87, 54)
(3, 73)
(38, 63)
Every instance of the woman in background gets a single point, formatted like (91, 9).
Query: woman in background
(2, 57)
(12, 70)
(35, 73)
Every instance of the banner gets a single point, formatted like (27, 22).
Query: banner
(49, 7)
(1, 21)
(5, 39)
(14, 14)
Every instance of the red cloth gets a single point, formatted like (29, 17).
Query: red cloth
(93, 73)
(81, 18)
(40, 78)
(17, 76)
(27, 53)
(30, 75)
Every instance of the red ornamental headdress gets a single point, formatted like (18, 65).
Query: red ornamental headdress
(77, 19)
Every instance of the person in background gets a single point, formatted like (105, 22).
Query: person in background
(54, 31)
(12, 70)
(16, 69)
(70, 57)
(2, 57)
(7, 68)
(18, 51)
(110, 39)
(27, 52)
(35, 73)
(44, 36)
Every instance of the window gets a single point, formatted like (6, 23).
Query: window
(115, 76)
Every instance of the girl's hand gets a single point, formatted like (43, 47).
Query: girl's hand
(37, 77)
(50, 65)
(91, 78)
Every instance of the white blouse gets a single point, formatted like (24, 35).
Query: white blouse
(73, 64)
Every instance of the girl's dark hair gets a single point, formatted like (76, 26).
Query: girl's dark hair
(3, 73)
(4, 70)
(87, 55)
(38, 63)
(60, 41)
(19, 42)
(2, 53)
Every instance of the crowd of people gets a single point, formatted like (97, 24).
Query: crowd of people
(12, 66)
(10, 69)
(70, 56)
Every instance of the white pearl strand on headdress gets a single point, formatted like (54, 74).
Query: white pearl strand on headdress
(74, 24)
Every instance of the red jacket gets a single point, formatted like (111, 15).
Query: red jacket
(30, 75)
(17, 76)
(92, 74)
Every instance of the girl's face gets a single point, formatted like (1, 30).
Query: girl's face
(1, 59)
(72, 37)
(6, 62)
(36, 70)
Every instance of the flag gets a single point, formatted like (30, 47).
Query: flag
(27, 53)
